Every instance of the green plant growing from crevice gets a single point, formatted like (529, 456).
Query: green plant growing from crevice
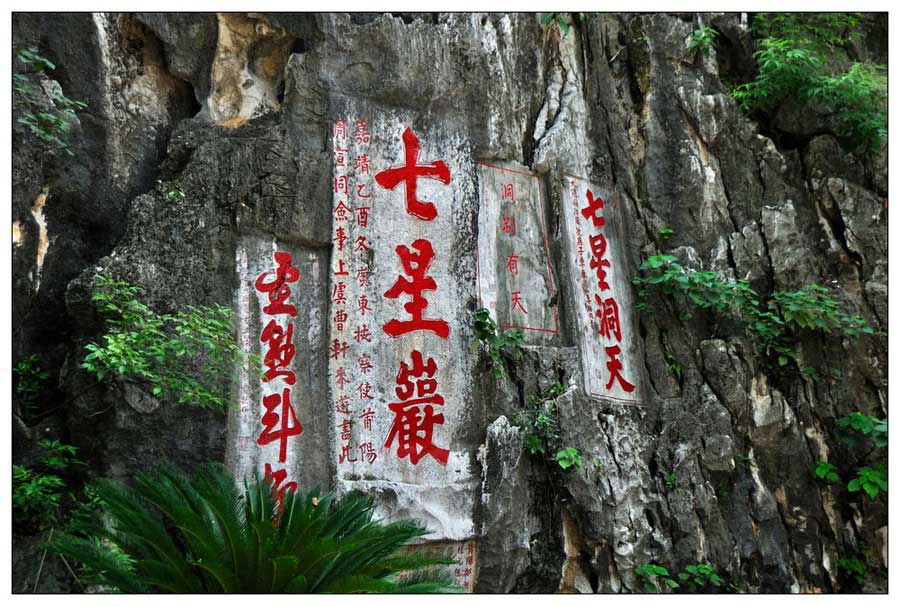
(702, 40)
(539, 421)
(812, 373)
(811, 307)
(201, 534)
(38, 492)
(671, 480)
(666, 232)
(49, 122)
(188, 354)
(487, 332)
(855, 568)
(794, 58)
(652, 575)
(694, 578)
(699, 577)
(569, 457)
(672, 364)
(869, 426)
(560, 23)
(826, 471)
(30, 379)
(871, 480)
(173, 190)
(36, 495)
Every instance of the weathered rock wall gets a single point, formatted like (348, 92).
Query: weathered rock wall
(712, 466)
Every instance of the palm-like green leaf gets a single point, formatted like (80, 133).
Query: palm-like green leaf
(200, 534)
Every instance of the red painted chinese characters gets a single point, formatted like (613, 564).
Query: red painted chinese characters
(410, 173)
(415, 418)
(280, 422)
(415, 413)
(607, 309)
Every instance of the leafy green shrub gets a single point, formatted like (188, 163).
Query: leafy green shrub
(555, 19)
(200, 534)
(50, 123)
(702, 40)
(810, 307)
(59, 457)
(671, 480)
(819, 30)
(855, 568)
(653, 575)
(699, 576)
(188, 354)
(784, 69)
(793, 61)
(38, 492)
(858, 98)
(872, 480)
(36, 496)
(539, 421)
(868, 426)
(30, 383)
(569, 457)
(558, 20)
(826, 471)
(487, 332)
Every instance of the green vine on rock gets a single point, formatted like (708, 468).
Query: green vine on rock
(811, 307)
(487, 332)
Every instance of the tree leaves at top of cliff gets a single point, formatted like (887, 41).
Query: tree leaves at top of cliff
(810, 307)
(189, 354)
(796, 58)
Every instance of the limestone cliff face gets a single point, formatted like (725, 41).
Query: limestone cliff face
(712, 465)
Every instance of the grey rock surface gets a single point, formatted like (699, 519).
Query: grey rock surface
(713, 466)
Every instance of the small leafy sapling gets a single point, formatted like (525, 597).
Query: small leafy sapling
(671, 480)
(699, 576)
(824, 470)
(569, 457)
(702, 40)
(487, 332)
(868, 426)
(871, 480)
(855, 568)
(653, 575)
(30, 382)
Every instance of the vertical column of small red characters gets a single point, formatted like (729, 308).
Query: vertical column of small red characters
(418, 403)
(350, 321)
(607, 311)
(579, 240)
(279, 421)
(465, 564)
